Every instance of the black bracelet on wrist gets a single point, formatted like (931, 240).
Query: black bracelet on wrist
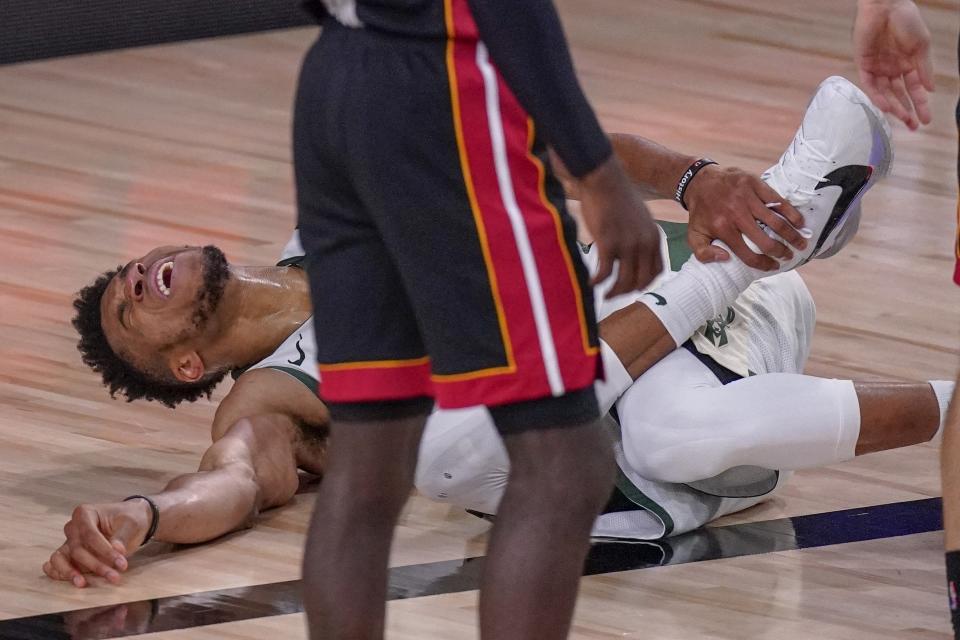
(953, 585)
(687, 176)
(155, 516)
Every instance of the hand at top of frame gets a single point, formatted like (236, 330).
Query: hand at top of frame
(99, 539)
(621, 227)
(892, 49)
(726, 204)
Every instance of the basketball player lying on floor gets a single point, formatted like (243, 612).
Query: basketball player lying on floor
(702, 372)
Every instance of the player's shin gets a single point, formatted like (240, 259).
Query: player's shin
(897, 414)
(559, 480)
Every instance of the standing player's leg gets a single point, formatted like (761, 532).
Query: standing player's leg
(559, 480)
(374, 373)
(365, 485)
(474, 221)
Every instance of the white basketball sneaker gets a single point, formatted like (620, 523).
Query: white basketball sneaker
(842, 149)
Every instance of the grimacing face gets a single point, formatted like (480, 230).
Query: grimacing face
(157, 308)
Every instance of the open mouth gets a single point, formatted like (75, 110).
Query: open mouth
(165, 277)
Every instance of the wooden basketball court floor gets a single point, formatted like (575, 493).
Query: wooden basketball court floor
(104, 156)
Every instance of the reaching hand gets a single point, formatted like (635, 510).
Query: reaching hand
(99, 539)
(892, 49)
(621, 227)
(726, 204)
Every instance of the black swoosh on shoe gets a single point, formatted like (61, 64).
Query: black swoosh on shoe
(851, 179)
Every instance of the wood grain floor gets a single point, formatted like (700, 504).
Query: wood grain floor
(103, 157)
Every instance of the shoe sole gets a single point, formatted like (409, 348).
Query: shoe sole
(881, 158)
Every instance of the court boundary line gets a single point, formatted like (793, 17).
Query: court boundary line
(220, 606)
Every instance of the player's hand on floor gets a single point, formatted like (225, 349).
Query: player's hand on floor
(726, 204)
(621, 227)
(892, 51)
(98, 540)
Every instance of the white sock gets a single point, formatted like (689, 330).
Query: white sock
(698, 293)
(943, 389)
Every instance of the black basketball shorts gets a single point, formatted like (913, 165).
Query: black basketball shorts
(442, 262)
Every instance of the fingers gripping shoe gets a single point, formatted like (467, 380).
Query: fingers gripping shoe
(842, 148)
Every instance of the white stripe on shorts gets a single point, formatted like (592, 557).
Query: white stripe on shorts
(527, 259)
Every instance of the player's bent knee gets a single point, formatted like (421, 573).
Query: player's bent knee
(675, 448)
(675, 465)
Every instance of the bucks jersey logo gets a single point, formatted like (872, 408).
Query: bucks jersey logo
(716, 330)
(303, 356)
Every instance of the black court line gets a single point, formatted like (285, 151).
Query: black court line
(453, 576)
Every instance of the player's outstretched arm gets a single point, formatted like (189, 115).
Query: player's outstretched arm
(251, 467)
(725, 203)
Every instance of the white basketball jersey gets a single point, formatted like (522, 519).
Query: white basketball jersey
(296, 356)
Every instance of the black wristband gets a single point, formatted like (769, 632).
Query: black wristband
(953, 589)
(155, 516)
(687, 176)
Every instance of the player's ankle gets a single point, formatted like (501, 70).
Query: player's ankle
(695, 295)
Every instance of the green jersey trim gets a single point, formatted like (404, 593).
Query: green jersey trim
(310, 382)
(677, 247)
(639, 498)
(631, 492)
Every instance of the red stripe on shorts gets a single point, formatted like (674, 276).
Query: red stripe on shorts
(561, 289)
(525, 376)
(389, 380)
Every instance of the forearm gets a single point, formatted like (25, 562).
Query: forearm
(251, 466)
(527, 44)
(201, 506)
(654, 168)
(637, 337)
(250, 469)
(950, 473)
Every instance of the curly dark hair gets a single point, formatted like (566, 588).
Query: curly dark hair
(118, 375)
